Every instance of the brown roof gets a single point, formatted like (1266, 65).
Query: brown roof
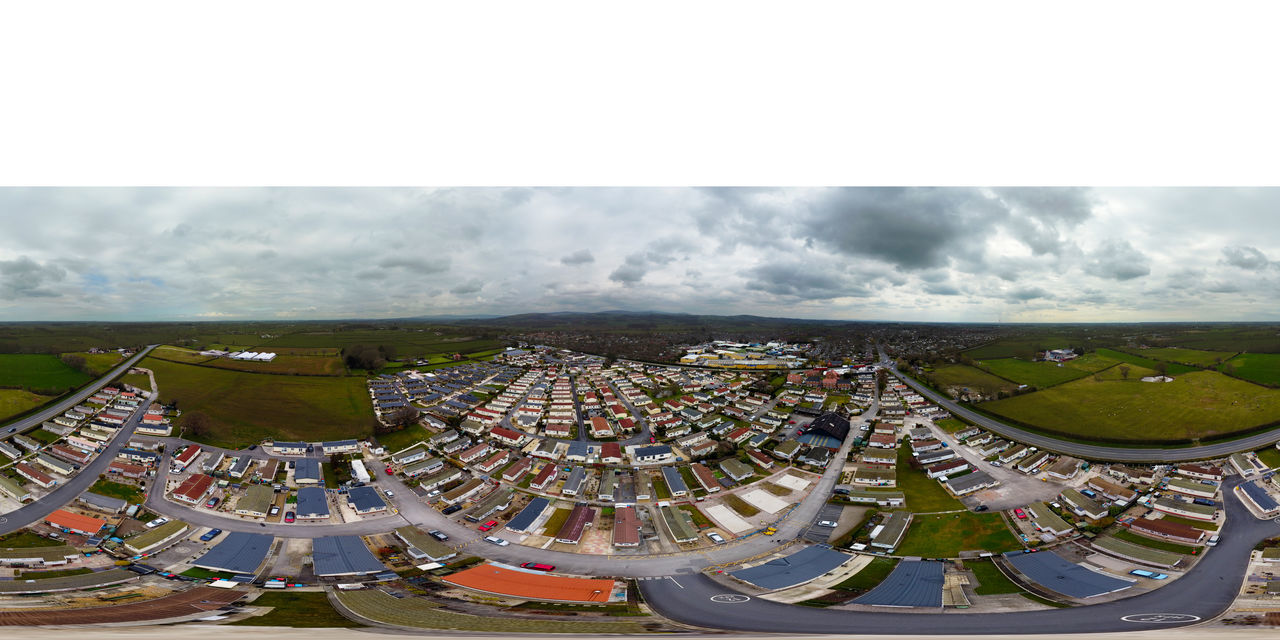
(1167, 528)
(626, 527)
(578, 519)
(194, 487)
(533, 586)
(548, 471)
(611, 450)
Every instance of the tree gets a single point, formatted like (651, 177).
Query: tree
(198, 424)
(75, 361)
(403, 417)
(1161, 368)
(1124, 371)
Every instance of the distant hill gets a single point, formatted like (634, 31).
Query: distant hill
(642, 320)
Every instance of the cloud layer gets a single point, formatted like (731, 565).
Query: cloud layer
(946, 254)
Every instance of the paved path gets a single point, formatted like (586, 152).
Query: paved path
(1163, 455)
(1204, 592)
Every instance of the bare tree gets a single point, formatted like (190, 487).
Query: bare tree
(1124, 371)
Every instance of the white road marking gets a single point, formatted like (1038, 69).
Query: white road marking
(674, 580)
(1161, 618)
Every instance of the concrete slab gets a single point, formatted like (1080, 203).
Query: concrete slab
(764, 501)
(727, 518)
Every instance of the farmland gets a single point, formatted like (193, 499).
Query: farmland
(1263, 368)
(1193, 357)
(1172, 368)
(98, 364)
(1199, 405)
(959, 375)
(1046, 374)
(39, 372)
(245, 408)
(1025, 347)
(286, 364)
(945, 535)
(408, 342)
(16, 401)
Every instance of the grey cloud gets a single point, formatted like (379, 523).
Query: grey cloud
(631, 271)
(1245, 257)
(581, 256)
(26, 278)
(801, 281)
(420, 266)
(941, 289)
(473, 286)
(1117, 260)
(1023, 294)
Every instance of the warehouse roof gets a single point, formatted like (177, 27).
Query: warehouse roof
(798, 568)
(913, 583)
(1053, 572)
(343, 555)
(239, 552)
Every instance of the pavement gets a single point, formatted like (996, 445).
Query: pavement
(1163, 455)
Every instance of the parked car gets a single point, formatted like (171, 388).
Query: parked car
(826, 523)
(213, 533)
(391, 471)
(213, 502)
(538, 566)
(274, 510)
(1148, 574)
(390, 493)
(157, 522)
(770, 531)
(981, 507)
(438, 535)
(488, 526)
(1213, 541)
(716, 538)
(451, 509)
(289, 516)
(252, 447)
(496, 540)
(1022, 515)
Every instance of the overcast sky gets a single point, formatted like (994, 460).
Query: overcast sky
(951, 254)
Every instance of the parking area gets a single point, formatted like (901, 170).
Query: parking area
(822, 533)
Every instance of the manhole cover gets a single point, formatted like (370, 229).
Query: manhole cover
(1161, 618)
(730, 598)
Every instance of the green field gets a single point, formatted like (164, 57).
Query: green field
(1199, 405)
(959, 375)
(991, 581)
(1046, 374)
(870, 575)
(408, 342)
(245, 408)
(296, 609)
(16, 401)
(178, 354)
(1193, 357)
(98, 364)
(945, 535)
(1129, 536)
(39, 372)
(924, 495)
(286, 365)
(1025, 347)
(1263, 368)
(1171, 368)
(25, 540)
(111, 489)
(402, 439)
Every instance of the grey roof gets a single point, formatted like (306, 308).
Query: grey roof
(798, 568)
(574, 482)
(239, 552)
(652, 450)
(365, 498)
(290, 445)
(103, 502)
(307, 468)
(1259, 495)
(913, 583)
(1051, 571)
(528, 515)
(578, 449)
(960, 484)
(312, 502)
(338, 443)
(675, 482)
(343, 555)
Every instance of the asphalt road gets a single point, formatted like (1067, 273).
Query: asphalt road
(1205, 592)
(1094, 451)
(54, 411)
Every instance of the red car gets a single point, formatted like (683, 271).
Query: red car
(488, 525)
(288, 516)
(390, 471)
(538, 567)
(1020, 513)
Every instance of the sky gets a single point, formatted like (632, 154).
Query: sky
(1025, 254)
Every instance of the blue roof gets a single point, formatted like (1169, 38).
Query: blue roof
(797, 568)
(1259, 496)
(1051, 571)
(652, 450)
(290, 445)
(312, 501)
(913, 583)
(308, 468)
(365, 498)
(674, 481)
(528, 515)
(578, 449)
(239, 552)
(343, 555)
(339, 443)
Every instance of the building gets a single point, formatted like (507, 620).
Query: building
(365, 500)
(440, 479)
(1111, 490)
(626, 527)
(1193, 488)
(186, 457)
(1082, 505)
(307, 471)
(948, 468)
(608, 485)
(971, 482)
(679, 523)
(1259, 498)
(343, 556)
(127, 470)
(422, 547)
(463, 492)
(340, 446)
(889, 535)
(1065, 468)
(545, 477)
(313, 504)
(786, 450)
(194, 488)
(256, 501)
(579, 519)
(611, 453)
(103, 503)
(1174, 506)
(474, 453)
(153, 540)
(1164, 529)
(496, 460)
(410, 455)
(240, 466)
(705, 477)
(75, 523)
(675, 483)
(53, 464)
(735, 468)
(573, 485)
(1200, 472)
(14, 489)
(653, 454)
(495, 502)
(516, 471)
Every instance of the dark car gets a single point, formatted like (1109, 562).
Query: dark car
(452, 509)
(438, 535)
(981, 507)
(252, 447)
(213, 533)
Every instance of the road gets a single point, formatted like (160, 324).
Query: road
(54, 411)
(1091, 451)
(1205, 591)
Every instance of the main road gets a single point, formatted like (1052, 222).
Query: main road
(1091, 451)
(61, 407)
(1204, 592)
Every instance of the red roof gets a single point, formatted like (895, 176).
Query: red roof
(504, 432)
(194, 487)
(626, 527)
(33, 473)
(188, 454)
(611, 450)
(75, 522)
(532, 586)
(548, 471)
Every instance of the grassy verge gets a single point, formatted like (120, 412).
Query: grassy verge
(57, 573)
(197, 572)
(870, 576)
(296, 609)
(1199, 524)
(1045, 601)
(126, 492)
(25, 540)
(1129, 536)
(991, 580)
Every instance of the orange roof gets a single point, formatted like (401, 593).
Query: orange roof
(75, 522)
(534, 586)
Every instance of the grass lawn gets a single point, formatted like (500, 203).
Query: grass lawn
(16, 401)
(1046, 374)
(245, 408)
(1270, 457)
(402, 439)
(1199, 524)
(56, 573)
(991, 581)
(945, 535)
(1193, 357)
(660, 489)
(98, 364)
(47, 437)
(25, 540)
(425, 614)
(556, 521)
(959, 375)
(699, 520)
(1129, 536)
(923, 494)
(39, 372)
(1172, 368)
(743, 507)
(296, 609)
(1203, 404)
(870, 576)
(1263, 368)
(951, 425)
(198, 572)
(286, 365)
(111, 489)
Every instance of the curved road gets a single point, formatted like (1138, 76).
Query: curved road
(1091, 451)
(1205, 592)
